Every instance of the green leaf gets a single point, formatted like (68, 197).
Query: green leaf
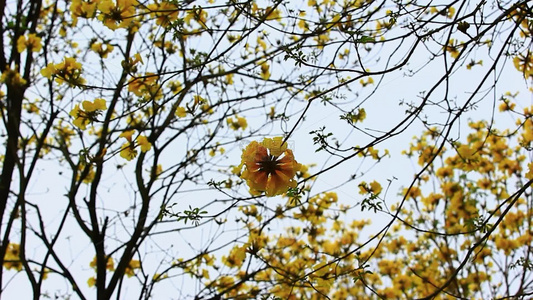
(366, 39)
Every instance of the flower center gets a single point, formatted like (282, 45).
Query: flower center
(268, 164)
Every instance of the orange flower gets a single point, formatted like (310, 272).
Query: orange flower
(270, 167)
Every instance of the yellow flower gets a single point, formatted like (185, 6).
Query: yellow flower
(236, 170)
(134, 264)
(453, 48)
(119, 15)
(32, 43)
(207, 108)
(364, 83)
(529, 174)
(322, 275)
(272, 113)
(198, 99)
(270, 167)
(138, 58)
(197, 14)
(158, 277)
(127, 134)
(363, 188)
(524, 64)
(261, 43)
(12, 257)
(321, 40)
(506, 106)
(414, 192)
(79, 120)
(87, 115)
(110, 264)
(272, 14)
(91, 281)
(505, 244)
(164, 12)
(359, 116)
(444, 172)
(32, 107)
(84, 9)
(101, 50)
(451, 12)
(236, 257)
(175, 86)
(473, 63)
(146, 86)
(239, 123)
(144, 143)
(69, 70)
(158, 170)
(181, 112)
(97, 104)
(526, 136)
(229, 79)
(132, 61)
(128, 151)
(375, 187)
(265, 71)
(48, 71)
(46, 271)
(12, 77)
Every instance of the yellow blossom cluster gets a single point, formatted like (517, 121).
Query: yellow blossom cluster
(212, 151)
(454, 48)
(12, 257)
(86, 171)
(12, 78)
(302, 252)
(265, 70)
(83, 9)
(197, 14)
(464, 183)
(448, 11)
(146, 87)
(102, 50)
(236, 257)
(238, 123)
(32, 43)
(373, 188)
(524, 63)
(129, 149)
(366, 82)
(522, 15)
(68, 71)
(131, 267)
(88, 113)
(164, 12)
(110, 266)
